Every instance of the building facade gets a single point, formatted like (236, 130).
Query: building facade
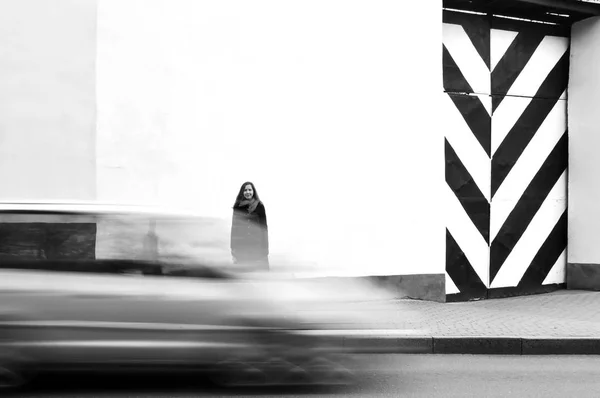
(437, 166)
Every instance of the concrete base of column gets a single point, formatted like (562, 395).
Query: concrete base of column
(583, 276)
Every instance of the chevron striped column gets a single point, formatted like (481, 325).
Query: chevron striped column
(528, 224)
(467, 113)
(506, 155)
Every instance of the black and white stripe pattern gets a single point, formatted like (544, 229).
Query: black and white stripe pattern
(529, 158)
(506, 155)
(467, 151)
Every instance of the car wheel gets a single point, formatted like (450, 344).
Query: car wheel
(235, 373)
(324, 371)
(13, 373)
(15, 370)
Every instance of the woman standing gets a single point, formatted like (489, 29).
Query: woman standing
(249, 231)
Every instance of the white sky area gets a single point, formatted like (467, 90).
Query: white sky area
(329, 107)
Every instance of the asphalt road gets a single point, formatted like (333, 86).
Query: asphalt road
(385, 376)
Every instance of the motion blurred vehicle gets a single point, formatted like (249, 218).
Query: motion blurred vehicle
(89, 287)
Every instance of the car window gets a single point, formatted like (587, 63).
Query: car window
(166, 239)
(115, 243)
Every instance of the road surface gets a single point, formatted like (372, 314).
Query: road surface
(385, 376)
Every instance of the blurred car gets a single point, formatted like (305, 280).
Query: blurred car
(93, 288)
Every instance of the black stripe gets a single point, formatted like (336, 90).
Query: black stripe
(503, 292)
(468, 296)
(496, 100)
(477, 27)
(558, 79)
(547, 255)
(528, 204)
(456, 18)
(530, 27)
(454, 80)
(478, 30)
(527, 125)
(512, 63)
(477, 117)
(468, 193)
(460, 270)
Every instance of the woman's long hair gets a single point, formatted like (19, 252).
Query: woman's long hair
(240, 195)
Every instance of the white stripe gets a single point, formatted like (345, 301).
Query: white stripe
(545, 57)
(536, 233)
(528, 164)
(487, 103)
(558, 271)
(530, 79)
(467, 236)
(500, 40)
(467, 58)
(450, 286)
(563, 96)
(505, 117)
(464, 11)
(524, 19)
(467, 148)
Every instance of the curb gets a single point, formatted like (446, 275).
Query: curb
(473, 345)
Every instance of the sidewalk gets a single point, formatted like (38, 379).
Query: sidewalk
(562, 322)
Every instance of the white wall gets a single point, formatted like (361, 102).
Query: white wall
(47, 105)
(328, 106)
(584, 141)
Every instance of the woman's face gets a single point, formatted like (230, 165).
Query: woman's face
(248, 192)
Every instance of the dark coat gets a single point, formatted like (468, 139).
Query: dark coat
(249, 234)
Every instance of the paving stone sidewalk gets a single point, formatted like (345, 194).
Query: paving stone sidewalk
(558, 314)
(558, 323)
(565, 313)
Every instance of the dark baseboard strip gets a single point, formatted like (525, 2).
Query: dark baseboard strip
(475, 345)
(582, 276)
(429, 287)
(505, 292)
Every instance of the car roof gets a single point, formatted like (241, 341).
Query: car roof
(96, 209)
